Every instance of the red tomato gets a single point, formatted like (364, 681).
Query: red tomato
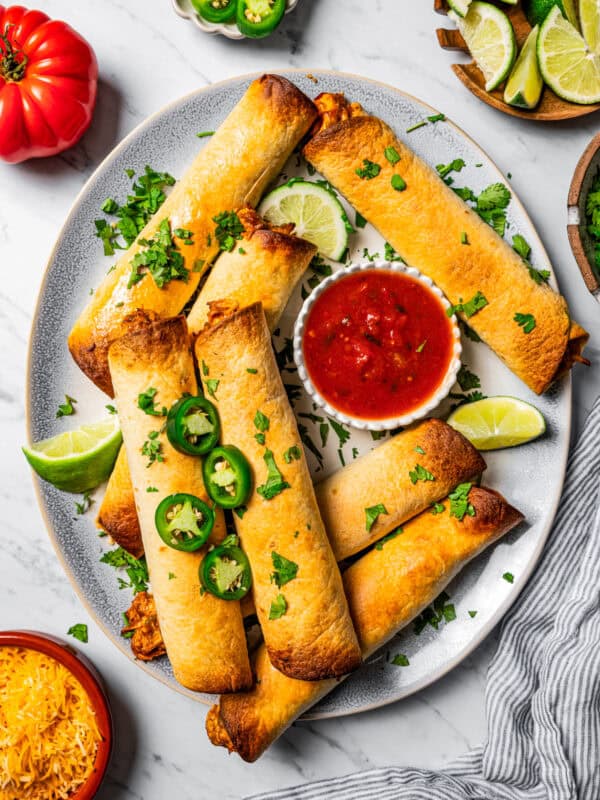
(48, 80)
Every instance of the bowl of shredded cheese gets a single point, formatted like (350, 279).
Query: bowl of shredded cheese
(55, 722)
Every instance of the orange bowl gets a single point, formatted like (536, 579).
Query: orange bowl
(87, 675)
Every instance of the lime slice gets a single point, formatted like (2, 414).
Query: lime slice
(460, 6)
(524, 86)
(315, 211)
(498, 422)
(566, 63)
(589, 15)
(491, 39)
(77, 460)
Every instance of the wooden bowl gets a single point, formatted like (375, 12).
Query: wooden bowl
(550, 108)
(579, 239)
(85, 672)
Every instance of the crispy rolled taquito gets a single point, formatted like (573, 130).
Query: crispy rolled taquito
(204, 636)
(118, 515)
(232, 170)
(301, 608)
(265, 268)
(386, 589)
(427, 223)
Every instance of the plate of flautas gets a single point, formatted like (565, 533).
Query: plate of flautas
(267, 541)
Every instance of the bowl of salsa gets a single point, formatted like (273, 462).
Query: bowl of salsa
(377, 346)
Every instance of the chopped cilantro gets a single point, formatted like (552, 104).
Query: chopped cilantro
(110, 408)
(229, 229)
(293, 453)
(86, 503)
(171, 576)
(419, 449)
(509, 577)
(369, 170)
(392, 155)
(135, 568)
(341, 432)
(204, 134)
(472, 614)
(148, 405)
(152, 448)
(400, 660)
(398, 183)
(438, 508)
(251, 371)
(275, 484)
(211, 386)
(470, 308)
(261, 422)
(278, 607)
(240, 511)
(160, 258)
(372, 513)
(467, 380)
(391, 254)
(205, 369)
(260, 438)
(459, 502)
(359, 220)
(79, 632)
(66, 409)
(525, 321)
(419, 473)
(284, 570)
(464, 239)
(152, 489)
(454, 166)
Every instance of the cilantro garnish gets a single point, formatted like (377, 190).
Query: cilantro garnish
(229, 229)
(438, 508)
(454, 166)
(467, 379)
(171, 576)
(464, 239)
(398, 183)
(472, 614)
(419, 449)
(85, 504)
(392, 155)
(293, 453)
(509, 577)
(433, 119)
(278, 607)
(419, 473)
(151, 489)
(251, 371)
(159, 257)
(492, 197)
(260, 438)
(79, 632)
(147, 403)
(369, 170)
(110, 408)
(240, 511)
(284, 570)
(275, 483)
(359, 220)
(441, 611)
(525, 321)
(471, 307)
(66, 409)
(204, 134)
(211, 386)
(391, 254)
(261, 422)
(152, 448)
(341, 432)
(400, 660)
(135, 568)
(473, 397)
(459, 502)
(372, 513)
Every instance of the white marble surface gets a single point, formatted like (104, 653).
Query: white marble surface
(147, 57)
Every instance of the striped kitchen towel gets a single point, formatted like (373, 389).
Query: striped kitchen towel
(543, 687)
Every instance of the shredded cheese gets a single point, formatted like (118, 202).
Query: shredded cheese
(48, 729)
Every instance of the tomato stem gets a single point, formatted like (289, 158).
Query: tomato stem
(13, 61)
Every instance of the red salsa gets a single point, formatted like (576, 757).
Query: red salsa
(377, 344)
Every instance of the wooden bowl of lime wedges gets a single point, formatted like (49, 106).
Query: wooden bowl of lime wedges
(531, 58)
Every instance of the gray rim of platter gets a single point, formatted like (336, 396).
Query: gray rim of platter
(531, 478)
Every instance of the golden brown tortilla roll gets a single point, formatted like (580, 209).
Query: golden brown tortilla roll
(232, 170)
(117, 515)
(265, 268)
(386, 589)
(313, 638)
(382, 477)
(427, 223)
(204, 636)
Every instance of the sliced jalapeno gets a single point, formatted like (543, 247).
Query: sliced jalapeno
(227, 477)
(258, 18)
(216, 10)
(225, 571)
(184, 522)
(193, 426)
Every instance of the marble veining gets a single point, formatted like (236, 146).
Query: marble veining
(148, 56)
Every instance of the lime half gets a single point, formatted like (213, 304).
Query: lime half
(316, 212)
(589, 14)
(566, 63)
(77, 460)
(498, 422)
(524, 86)
(491, 39)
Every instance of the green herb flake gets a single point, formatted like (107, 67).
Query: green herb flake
(525, 321)
(467, 380)
(437, 118)
(464, 238)
(509, 577)
(340, 431)
(369, 170)
(85, 504)
(204, 134)
(438, 508)
(398, 183)
(251, 371)
(229, 230)
(160, 258)
(372, 513)
(205, 369)
(135, 568)
(416, 126)
(211, 386)
(147, 403)
(79, 632)
(240, 511)
(459, 502)
(151, 489)
(293, 453)
(66, 409)
(419, 473)
(454, 166)
(278, 608)
(470, 308)
(392, 155)
(391, 535)
(419, 449)
(110, 408)
(400, 660)
(284, 570)
(390, 254)
(172, 576)
(152, 448)
(359, 220)
(260, 438)
(275, 483)
(472, 614)
(261, 422)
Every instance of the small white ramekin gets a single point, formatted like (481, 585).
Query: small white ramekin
(392, 422)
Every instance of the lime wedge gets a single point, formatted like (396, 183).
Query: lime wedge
(315, 211)
(566, 63)
(77, 460)
(490, 38)
(524, 86)
(461, 7)
(498, 422)
(589, 15)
